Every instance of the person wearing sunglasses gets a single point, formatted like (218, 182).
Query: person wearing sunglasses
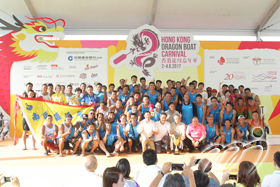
(91, 116)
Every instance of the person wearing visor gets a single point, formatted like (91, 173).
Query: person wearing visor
(79, 127)
(212, 132)
(64, 134)
(241, 132)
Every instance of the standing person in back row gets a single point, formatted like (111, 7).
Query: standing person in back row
(201, 109)
(229, 113)
(152, 93)
(101, 95)
(192, 92)
(44, 94)
(29, 86)
(133, 81)
(90, 98)
(188, 110)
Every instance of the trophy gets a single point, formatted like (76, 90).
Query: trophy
(177, 140)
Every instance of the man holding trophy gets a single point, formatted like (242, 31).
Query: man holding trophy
(177, 134)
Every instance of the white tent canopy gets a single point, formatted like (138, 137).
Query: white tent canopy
(118, 17)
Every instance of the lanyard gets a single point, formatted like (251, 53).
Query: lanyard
(176, 127)
(90, 98)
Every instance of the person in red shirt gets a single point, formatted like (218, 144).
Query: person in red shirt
(196, 135)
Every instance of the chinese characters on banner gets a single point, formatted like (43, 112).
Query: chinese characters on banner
(148, 49)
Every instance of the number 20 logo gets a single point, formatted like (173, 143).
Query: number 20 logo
(229, 76)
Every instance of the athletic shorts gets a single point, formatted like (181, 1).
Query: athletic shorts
(66, 144)
(212, 140)
(24, 125)
(50, 145)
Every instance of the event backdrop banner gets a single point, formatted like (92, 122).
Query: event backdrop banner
(36, 110)
(256, 69)
(71, 66)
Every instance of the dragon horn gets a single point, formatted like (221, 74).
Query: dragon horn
(18, 22)
(8, 26)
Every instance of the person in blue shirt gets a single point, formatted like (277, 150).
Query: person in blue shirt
(90, 139)
(228, 113)
(79, 127)
(108, 140)
(124, 94)
(152, 93)
(201, 109)
(119, 110)
(212, 132)
(133, 136)
(101, 95)
(100, 123)
(241, 132)
(133, 81)
(188, 110)
(156, 112)
(122, 134)
(134, 110)
(227, 135)
(192, 92)
(144, 88)
(89, 98)
(165, 102)
(144, 106)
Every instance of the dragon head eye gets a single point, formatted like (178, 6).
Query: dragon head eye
(42, 29)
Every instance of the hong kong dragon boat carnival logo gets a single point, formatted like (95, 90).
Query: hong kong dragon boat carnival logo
(147, 49)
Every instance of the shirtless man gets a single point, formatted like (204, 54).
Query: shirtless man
(254, 96)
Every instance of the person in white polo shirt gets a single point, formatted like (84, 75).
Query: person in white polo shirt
(273, 180)
(147, 128)
(161, 133)
(146, 176)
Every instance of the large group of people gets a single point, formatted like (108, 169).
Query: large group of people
(145, 115)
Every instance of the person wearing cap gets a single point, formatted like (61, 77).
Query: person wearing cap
(65, 132)
(241, 131)
(214, 110)
(212, 132)
(213, 94)
(79, 127)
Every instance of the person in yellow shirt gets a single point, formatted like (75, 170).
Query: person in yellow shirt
(58, 96)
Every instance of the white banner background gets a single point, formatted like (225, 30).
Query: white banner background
(256, 69)
(72, 66)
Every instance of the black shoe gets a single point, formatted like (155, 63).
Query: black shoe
(49, 151)
(75, 154)
(46, 153)
(182, 151)
(190, 151)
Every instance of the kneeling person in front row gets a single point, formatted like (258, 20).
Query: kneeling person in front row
(227, 134)
(133, 136)
(90, 139)
(196, 135)
(146, 129)
(241, 132)
(161, 133)
(64, 134)
(47, 134)
(212, 132)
